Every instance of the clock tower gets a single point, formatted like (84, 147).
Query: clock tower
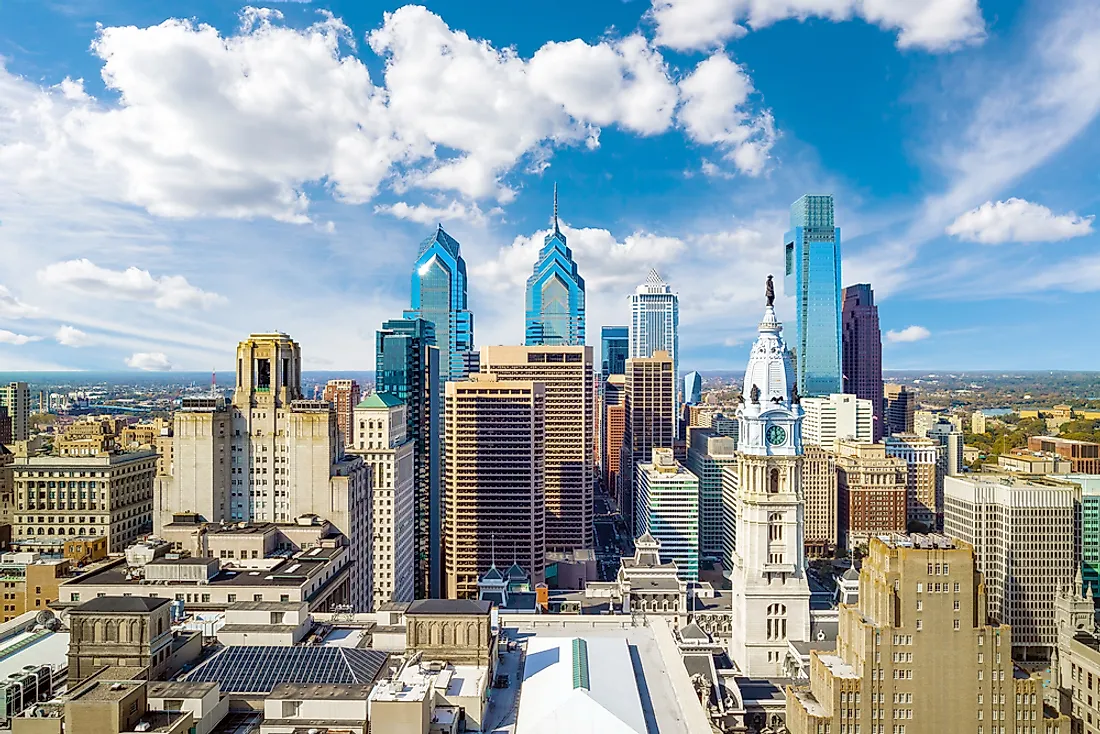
(771, 597)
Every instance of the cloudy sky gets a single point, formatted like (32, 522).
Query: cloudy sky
(175, 175)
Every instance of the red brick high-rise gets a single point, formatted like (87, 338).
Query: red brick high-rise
(344, 396)
(861, 354)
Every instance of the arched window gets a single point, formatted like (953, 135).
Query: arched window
(775, 527)
(777, 622)
(773, 481)
(112, 631)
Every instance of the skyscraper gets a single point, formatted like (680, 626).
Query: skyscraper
(923, 458)
(566, 373)
(495, 501)
(612, 428)
(649, 402)
(344, 396)
(708, 453)
(812, 250)
(16, 397)
(668, 509)
(555, 294)
(693, 388)
(655, 322)
(439, 296)
(862, 350)
(408, 369)
(900, 406)
(819, 495)
(835, 417)
(614, 350)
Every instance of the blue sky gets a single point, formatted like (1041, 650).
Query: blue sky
(175, 175)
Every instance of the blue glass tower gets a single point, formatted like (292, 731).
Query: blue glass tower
(439, 296)
(812, 277)
(407, 367)
(614, 350)
(693, 388)
(555, 294)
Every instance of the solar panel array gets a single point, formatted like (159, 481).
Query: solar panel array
(256, 669)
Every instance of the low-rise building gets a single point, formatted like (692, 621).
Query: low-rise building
(1030, 463)
(1084, 456)
(30, 582)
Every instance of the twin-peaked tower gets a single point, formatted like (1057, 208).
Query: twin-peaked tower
(555, 294)
(771, 604)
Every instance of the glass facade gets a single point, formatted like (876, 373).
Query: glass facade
(693, 388)
(812, 277)
(407, 367)
(614, 350)
(655, 321)
(555, 296)
(439, 296)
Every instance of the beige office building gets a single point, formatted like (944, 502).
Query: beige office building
(871, 492)
(269, 456)
(819, 495)
(65, 497)
(901, 403)
(650, 411)
(612, 428)
(917, 656)
(566, 373)
(379, 437)
(493, 479)
(835, 417)
(1022, 529)
(924, 459)
(16, 397)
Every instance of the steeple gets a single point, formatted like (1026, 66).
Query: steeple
(556, 207)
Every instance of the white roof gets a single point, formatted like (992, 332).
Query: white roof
(575, 713)
(49, 649)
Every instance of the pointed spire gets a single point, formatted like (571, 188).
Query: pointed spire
(493, 546)
(555, 207)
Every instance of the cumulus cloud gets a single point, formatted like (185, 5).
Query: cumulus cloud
(13, 308)
(133, 284)
(70, 336)
(935, 25)
(10, 337)
(149, 361)
(715, 112)
(908, 334)
(428, 214)
(1017, 220)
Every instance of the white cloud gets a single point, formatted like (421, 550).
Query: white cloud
(715, 112)
(149, 361)
(167, 291)
(70, 336)
(908, 334)
(10, 337)
(1017, 220)
(12, 308)
(935, 25)
(428, 214)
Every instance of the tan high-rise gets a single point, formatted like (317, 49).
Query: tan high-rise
(923, 458)
(819, 494)
(566, 373)
(650, 410)
(493, 479)
(916, 655)
(871, 492)
(614, 423)
(344, 396)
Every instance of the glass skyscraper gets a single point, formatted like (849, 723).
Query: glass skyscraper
(693, 388)
(407, 367)
(862, 351)
(614, 350)
(812, 277)
(439, 296)
(655, 321)
(555, 294)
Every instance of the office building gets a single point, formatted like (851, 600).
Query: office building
(271, 456)
(555, 294)
(950, 437)
(439, 297)
(812, 278)
(655, 322)
(819, 494)
(861, 351)
(649, 403)
(1022, 530)
(916, 653)
(107, 495)
(668, 510)
(900, 407)
(693, 388)
(730, 482)
(837, 417)
(30, 582)
(6, 428)
(1084, 456)
(408, 369)
(566, 372)
(872, 492)
(923, 459)
(493, 478)
(707, 455)
(344, 395)
(380, 436)
(614, 350)
(771, 604)
(923, 420)
(977, 422)
(16, 398)
(611, 430)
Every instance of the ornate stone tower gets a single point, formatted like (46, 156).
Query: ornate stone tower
(771, 597)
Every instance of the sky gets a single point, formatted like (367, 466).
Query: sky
(177, 175)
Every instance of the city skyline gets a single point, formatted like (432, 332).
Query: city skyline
(956, 232)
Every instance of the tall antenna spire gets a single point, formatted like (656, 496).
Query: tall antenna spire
(493, 542)
(555, 206)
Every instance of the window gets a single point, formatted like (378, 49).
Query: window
(231, 598)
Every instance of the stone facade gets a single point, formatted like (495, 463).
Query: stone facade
(459, 632)
(132, 632)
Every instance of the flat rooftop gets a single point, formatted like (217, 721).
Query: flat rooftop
(33, 648)
(293, 571)
(934, 541)
(838, 667)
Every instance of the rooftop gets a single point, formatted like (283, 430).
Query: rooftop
(448, 606)
(293, 571)
(105, 690)
(181, 689)
(838, 667)
(308, 691)
(121, 604)
(258, 670)
(380, 400)
(933, 541)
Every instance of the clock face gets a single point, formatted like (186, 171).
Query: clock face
(776, 435)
